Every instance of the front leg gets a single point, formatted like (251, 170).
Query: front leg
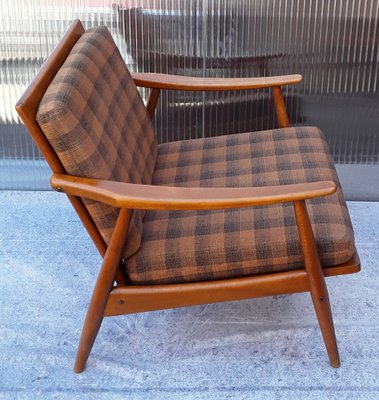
(317, 285)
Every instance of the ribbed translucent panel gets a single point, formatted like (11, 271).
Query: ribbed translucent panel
(333, 43)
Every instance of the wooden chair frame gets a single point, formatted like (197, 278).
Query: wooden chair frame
(112, 295)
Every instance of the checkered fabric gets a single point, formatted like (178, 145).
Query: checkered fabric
(188, 246)
(94, 118)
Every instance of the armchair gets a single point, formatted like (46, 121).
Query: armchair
(189, 222)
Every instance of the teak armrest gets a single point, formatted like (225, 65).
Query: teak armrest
(150, 197)
(156, 82)
(178, 82)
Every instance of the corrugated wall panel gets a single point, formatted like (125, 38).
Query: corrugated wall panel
(333, 43)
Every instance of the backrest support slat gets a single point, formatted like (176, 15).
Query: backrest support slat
(86, 115)
(27, 108)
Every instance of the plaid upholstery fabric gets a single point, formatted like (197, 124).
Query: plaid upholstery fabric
(96, 122)
(184, 246)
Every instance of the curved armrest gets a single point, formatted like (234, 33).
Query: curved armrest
(150, 197)
(177, 82)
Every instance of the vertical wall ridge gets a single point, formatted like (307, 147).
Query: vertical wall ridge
(334, 44)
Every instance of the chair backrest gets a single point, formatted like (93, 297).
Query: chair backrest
(96, 124)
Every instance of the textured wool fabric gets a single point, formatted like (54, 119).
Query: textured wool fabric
(185, 246)
(94, 118)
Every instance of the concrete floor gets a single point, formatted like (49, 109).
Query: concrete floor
(257, 349)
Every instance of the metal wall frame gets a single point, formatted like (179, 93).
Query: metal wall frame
(334, 44)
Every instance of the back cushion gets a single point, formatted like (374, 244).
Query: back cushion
(94, 118)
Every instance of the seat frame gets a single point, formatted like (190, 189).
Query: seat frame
(112, 294)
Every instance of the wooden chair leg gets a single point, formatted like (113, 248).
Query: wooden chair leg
(102, 289)
(152, 102)
(280, 107)
(318, 289)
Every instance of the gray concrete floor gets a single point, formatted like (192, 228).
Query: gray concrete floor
(267, 348)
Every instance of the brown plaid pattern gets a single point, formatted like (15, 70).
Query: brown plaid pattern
(185, 246)
(93, 116)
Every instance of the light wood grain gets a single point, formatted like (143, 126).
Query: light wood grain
(280, 107)
(317, 285)
(178, 82)
(133, 299)
(152, 102)
(103, 286)
(150, 197)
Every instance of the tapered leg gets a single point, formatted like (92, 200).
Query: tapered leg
(102, 289)
(318, 289)
(152, 102)
(280, 107)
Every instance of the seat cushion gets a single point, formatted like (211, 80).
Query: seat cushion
(188, 246)
(95, 120)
